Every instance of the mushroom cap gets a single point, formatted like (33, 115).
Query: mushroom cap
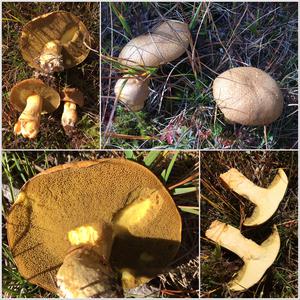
(61, 26)
(66, 197)
(132, 91)
(248, 96)
(23, 89)
(167, 42)
(73, 95)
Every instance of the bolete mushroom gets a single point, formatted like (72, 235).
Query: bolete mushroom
(72, 97)
(248, 96)
(133, 91)
(66, 218)
(257, 258)
(32, 97)
(266, 200)
(167, 42)
(54, 42)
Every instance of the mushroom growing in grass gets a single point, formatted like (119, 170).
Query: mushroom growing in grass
(32, 97)
(248, 96)
(54, 42)
(71, 97)
(266, 200)
(167, 42)
(75, 227)
(257, 258)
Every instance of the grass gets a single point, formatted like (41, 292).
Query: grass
(84, 76)
(180, 111)
(218, 265)
(177, 170)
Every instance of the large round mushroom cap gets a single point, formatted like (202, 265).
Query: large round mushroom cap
(28, 87)
(55, 26)
(167, 42)
(248, 96)
(117, 191)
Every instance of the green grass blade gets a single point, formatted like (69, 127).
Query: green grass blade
(129, 154)
(166, 172)
(195, 18)
(121, 19)
(151, 157)
(181, 191)
(190, 209)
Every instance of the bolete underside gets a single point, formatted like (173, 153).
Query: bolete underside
(125, 195)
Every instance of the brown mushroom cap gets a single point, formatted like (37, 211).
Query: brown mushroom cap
(68, 196)
(62, 26)
(23, 89)
(73, 95)
(132, 91)
(167, 42)
(248, 96)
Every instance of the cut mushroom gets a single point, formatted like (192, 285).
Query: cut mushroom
(167, 42)
(32, 97)
(133, 91)
(248, 96)
(266, 200)
(257, 258)
(60, 227)
(72, 97)
(54, 42)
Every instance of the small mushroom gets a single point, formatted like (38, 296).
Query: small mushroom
(72, 97)
(32, 97)
(54, 42)
(257, 258)
(133, 91)
(266, 200)
(85, 222)
(167, 42)
(248, 96)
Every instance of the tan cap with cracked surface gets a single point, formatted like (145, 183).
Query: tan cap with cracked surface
(60, 26)
(23, 89)
(248, 96)
(117, 191)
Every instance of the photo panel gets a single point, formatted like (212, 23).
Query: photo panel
(106, 224)
(50, 75)
(199, 75)
(249, 224)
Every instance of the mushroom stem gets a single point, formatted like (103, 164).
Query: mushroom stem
(29, 121)
(69, 116)
(86, 271)
(257, 258)
(51, 59)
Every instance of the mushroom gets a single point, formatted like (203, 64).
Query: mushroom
(266, 200)
(54, 42)
(133, 91)
(72, 97)
(32, 97)
(65, 219)
(257, 258)
(248, 96)
(167, 42)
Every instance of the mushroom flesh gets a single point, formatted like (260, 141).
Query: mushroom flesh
(266, 200)
(257, 258)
